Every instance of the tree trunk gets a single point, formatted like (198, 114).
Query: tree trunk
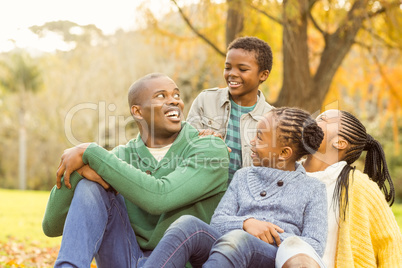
(235, 20)
(22, 154)
(297, 80)
(299, 88)
(337, 46)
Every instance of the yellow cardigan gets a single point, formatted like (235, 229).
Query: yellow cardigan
(370, 235)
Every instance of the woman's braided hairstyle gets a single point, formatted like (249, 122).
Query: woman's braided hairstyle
(297, 129)
(375, 166)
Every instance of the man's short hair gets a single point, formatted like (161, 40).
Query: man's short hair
(138, 86)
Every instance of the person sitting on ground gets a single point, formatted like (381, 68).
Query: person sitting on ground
(266, 203)
(362, 230)
(232, 113)
(166, 172)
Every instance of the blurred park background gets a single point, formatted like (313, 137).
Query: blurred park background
(68, 84)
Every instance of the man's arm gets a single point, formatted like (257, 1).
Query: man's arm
(202, 174)
(57, 207)
(71, 160)
(60, 199)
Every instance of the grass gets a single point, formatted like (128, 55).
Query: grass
(397, 209)
(21, 214)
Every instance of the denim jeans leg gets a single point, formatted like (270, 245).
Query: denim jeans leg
(119, 247)
(240, 249)
(97, 225)
(187, 239)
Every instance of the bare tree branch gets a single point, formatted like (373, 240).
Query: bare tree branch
(353, 20)
(316, 24)
(392, 88)
(382, 10)
(381, 39)
(203, 37)
(266, 14)
(363, 45)
(311, 5)
(152, 22)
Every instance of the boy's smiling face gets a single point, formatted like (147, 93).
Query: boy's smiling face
(160, 110)
(243, 76)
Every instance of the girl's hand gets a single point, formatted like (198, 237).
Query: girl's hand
(266, 231)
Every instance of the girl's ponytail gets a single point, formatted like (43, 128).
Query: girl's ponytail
(376, 168)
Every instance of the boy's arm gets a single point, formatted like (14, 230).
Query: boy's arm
(201, 174)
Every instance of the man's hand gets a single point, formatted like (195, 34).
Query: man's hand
(263, 230)
(71, 160)
(90, 174)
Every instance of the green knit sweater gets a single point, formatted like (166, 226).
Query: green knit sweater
(189, 180)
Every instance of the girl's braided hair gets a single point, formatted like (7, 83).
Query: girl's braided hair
(375, 166)
(298, 130)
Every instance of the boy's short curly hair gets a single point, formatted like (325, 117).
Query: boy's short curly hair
(263, 52)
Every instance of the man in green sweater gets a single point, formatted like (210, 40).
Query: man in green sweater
(116, 205)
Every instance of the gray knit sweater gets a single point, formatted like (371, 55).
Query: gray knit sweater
(290, 199)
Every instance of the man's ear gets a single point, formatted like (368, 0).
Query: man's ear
(264, 75)
(136, 112)
(340, 143)
(285, 153)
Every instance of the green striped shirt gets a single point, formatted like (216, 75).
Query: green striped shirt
(233, 139)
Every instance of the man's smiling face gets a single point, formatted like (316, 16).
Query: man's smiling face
(161, 107)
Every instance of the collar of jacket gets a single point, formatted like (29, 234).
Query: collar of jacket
(264, 178)
(256, 112)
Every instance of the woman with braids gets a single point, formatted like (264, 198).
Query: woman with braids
(266, 203)
(362, 230)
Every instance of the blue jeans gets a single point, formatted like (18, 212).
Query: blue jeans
(97, 225)
(190, 239)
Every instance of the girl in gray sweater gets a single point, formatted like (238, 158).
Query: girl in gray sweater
(266, 203)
